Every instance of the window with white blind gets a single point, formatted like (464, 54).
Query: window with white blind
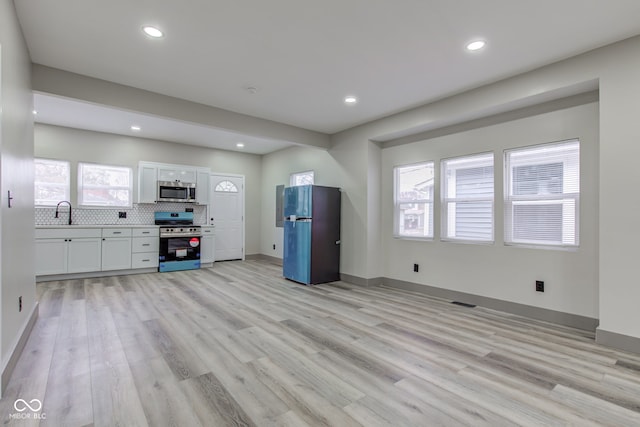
(301, 178)
(104, 185)
(413, 200)
(542, 195)
(467, 198)
(51, 181)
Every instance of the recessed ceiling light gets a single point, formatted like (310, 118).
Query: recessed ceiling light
(152, 32)
(240, 145)
(476, 45)
(34, 112)
(135, 128)
(350, 99)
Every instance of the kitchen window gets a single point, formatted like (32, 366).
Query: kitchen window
(542, 195)
(104, 185)
(413, 200)
(301, 178)
(467, 198)
(51, 181)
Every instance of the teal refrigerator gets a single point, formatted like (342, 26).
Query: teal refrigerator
(311, 234)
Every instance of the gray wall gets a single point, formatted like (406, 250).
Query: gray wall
(75, 145)
(613, 70)
(16, 175)
(276, 168)
(341, 167)
(495, 270)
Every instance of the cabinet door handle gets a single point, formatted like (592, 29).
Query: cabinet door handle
(146, 260)
(146, 232)
(146, 244)
(117, 232)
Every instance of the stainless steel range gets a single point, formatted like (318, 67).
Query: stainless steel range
(179, 241)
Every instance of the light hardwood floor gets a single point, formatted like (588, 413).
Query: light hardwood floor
(237, 345)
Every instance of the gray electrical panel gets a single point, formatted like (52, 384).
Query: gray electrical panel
(279, 209)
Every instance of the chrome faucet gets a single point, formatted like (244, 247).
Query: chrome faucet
(58, 208)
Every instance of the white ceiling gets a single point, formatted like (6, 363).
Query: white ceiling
(303, 57)
(55, 110)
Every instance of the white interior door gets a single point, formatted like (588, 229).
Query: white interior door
(226, 212)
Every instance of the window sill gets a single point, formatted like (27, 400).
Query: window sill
(543, 247)
(105, 207)
(469, 242)
(414, 238)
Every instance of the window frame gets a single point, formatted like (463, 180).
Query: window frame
(429, 203)
(67, 191)
(475, 161)
(219, 188)
(81, 186)
(293, 178)
(567, 200)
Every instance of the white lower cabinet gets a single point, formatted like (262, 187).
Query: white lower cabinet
(116, 249)
(60, 251)
(74, 249)
(51, 256)
(83, 255)
(145, 246)
(207, 244)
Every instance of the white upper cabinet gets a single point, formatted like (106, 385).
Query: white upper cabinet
(202, 187)
(149, 173)
(147, 183)
(178, 173)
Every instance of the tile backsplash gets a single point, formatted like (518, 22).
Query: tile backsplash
(139, 214)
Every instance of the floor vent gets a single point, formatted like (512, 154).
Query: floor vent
(464, 304)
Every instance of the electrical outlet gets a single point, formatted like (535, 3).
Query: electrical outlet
(122, 214)
(20, 303)
(274, 246)
(415, 267)
(539, 286)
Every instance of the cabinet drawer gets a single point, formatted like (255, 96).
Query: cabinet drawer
(146, 232)
(208, 230)
(144, 260)
(116, 232)
(70, 232)
(145, 244)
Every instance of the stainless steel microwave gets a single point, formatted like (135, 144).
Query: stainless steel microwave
(175, 191)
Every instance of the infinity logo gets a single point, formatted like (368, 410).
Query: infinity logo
(37, 405)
